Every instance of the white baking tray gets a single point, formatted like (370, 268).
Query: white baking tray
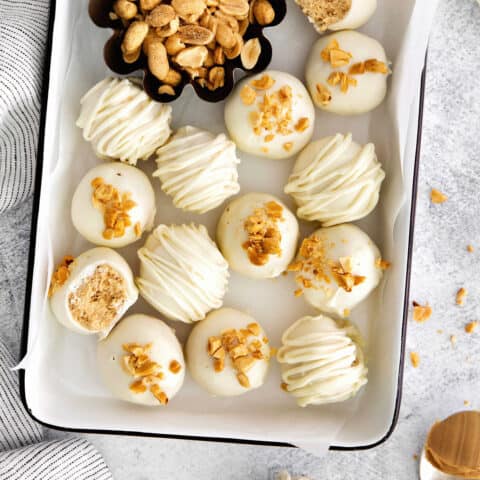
(60, 385)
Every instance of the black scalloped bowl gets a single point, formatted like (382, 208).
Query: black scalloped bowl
(99, 13)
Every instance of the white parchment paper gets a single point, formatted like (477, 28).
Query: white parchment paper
(62, 385)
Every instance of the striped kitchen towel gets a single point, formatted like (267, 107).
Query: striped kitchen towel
(23, 454)
(23, 36)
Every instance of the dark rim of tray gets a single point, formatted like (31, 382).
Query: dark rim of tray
(31, 257)
(99, 13)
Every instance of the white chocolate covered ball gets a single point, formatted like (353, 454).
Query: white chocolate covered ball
(337, 268)
(346, 73)
(228, 353)
(122, 122)
(183, 275)
(198, 169)
(258, 235)
(335, 180)
(141, 361)
(113, 205)
(270, 115)
(359, 13)
(89, 294)
(322, 361)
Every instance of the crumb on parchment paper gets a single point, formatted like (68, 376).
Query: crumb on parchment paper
(436, 196)
(421, 313)
(415, 359)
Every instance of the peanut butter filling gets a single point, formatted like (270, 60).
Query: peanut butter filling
(264, 237)
(97, 300)
(325, 12)
(115, 208)
(60, 275)
(453, 445)
(242, 350)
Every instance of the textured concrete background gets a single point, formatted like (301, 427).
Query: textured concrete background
(447, 375)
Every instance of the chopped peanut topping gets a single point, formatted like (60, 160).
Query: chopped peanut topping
(264, 236)
(288, 146)
(248, 95)
(137, 229)
(243, 380)
(302, 124)
(242, 352)
(470, 248)
(382, 264)
(415, 359)
(254, 328)
(60, 275)
(470, 327)
(461, 295)
(437, 196)
(421, 313)
(298, 292)
(372, 65)
(343, 276)
(159, 394)
(273, 112)
(146, 372)
(335, 55)
(453, 339)
(263, 83)
(323, 94)
(175, 366)
(115, 208)
(284, 387)
(342, 79)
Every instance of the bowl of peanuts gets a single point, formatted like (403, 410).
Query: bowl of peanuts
(180, 42)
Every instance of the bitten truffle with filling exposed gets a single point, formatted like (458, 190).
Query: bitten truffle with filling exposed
(90, 293)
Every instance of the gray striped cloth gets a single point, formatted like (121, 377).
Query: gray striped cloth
(23, 36)
(23, 454)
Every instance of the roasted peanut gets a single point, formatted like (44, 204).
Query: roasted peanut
(218, 56)
(189, 10)
(124, 9)
(195, 35)
(160, 16)
(158, 60)
(250, 53)
(134, 37)
(192, 57)
(132, 57)
(146, 5)
(168, 30)
(216, 77)
(225, 37)
(173, 78)
(174, 45)
(235, 8)
(235, 51)
(263, 12)
(166, 90)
